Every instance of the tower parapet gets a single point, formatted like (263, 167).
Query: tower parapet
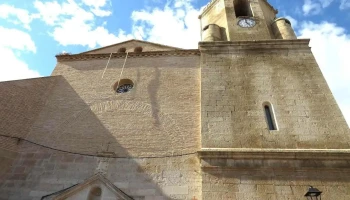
(282, 29)
(211, 32)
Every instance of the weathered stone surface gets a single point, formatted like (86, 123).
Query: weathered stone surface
(193, 126)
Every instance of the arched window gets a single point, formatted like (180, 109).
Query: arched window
(270, 116)
(122, 50)
(242, 8)
(138, 49)
(95, 193)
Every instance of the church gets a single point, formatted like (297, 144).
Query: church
(246, 116)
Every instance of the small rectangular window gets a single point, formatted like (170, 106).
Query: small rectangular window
(269, 118)
(242, 8)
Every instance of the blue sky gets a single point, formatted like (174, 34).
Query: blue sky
(32, 32)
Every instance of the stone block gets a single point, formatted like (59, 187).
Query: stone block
(175, 190)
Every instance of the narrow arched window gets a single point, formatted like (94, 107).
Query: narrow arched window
(95, 194)
(270, 116)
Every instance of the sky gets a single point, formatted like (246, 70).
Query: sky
(32, 32)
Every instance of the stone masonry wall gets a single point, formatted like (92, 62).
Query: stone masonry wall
(222, 13)
(237, 80)
(274, 180)
(160, 113)
(20, 103)
(84, 115)
(40, 172)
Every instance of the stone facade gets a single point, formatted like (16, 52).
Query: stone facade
(238, 77)
(150, 135)
(193, 126)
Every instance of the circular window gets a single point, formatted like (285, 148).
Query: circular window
(123, 86)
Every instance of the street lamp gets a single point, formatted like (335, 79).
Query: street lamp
(313, 194)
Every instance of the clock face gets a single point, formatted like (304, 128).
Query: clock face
(124, 88)
(246, 23)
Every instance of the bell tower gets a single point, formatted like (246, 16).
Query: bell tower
(237, 20)
(268, 117)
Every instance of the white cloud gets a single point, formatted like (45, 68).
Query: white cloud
(15, 15)
(344, 4)
(97, 6)
(311, 7)
(53, 13)
(74, 33)
(12, 67)
(101, 13)
(330, 45)
(16, 39)
(74, 25)
(95, 3)
(176, 24)
(325, 3)
(314, 7)
(49, 12)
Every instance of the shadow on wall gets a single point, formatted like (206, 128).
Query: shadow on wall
(20, 103)
(152, 92)
(68, 124)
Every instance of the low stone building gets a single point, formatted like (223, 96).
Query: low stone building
(246, 116)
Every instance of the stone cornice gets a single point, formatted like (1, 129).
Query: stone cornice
(207, 7)
(278, 154)
(254, 45)
(129, 41)
(190, 52)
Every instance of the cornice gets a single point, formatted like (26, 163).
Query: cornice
(278, 154)
(207, 7)
(254, 45)
(275, 10)
(190, 52)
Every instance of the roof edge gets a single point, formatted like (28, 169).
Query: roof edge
(187, 52)
(132, 40)
(97, 177)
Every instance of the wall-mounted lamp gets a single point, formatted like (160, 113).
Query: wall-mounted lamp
(313, 194)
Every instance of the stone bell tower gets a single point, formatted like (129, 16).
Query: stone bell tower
(243, 20)
(269, 123)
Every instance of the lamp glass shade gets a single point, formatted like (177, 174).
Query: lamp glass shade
(313, 192)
